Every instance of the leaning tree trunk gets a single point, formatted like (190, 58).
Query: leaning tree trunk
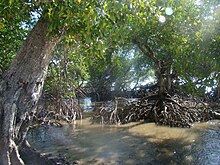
(20, 89)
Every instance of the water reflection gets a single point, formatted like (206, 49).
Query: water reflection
(135, 143)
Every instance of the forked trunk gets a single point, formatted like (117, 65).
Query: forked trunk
(20, 89)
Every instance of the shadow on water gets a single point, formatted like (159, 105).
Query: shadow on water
(137, 143)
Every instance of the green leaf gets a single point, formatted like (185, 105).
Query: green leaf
(142, 4)
(10, 2)
(1, 26)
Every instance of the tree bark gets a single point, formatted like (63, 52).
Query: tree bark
(20, 89)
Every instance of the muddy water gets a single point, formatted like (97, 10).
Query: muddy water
(132, 144)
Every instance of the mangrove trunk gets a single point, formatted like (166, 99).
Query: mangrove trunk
(20, 89)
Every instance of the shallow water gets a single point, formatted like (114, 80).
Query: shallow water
(131, 144)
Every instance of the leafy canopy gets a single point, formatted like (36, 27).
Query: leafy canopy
(184, 32)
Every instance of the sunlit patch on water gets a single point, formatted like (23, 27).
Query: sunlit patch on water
(158, 134)
(135, 143)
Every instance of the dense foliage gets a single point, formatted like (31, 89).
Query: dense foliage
(98, 35)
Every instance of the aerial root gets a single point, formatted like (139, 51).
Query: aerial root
(176, 111)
